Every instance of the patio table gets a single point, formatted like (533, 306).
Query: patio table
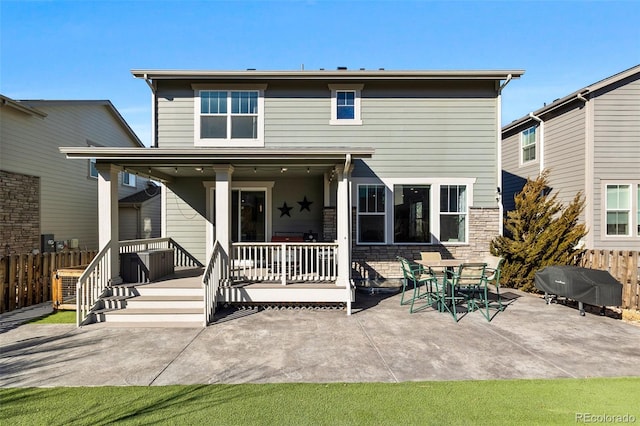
(450, 265)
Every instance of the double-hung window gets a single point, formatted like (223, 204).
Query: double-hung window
(453, 213)
(618, 210)
(371, 214)
(528, 143)
(229, 117)
(345, 104)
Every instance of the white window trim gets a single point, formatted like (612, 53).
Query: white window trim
(632, 233)
(521, 146)
(387, 194)
(228, 143)
(335, 88)
(132, 179)
(434, 216)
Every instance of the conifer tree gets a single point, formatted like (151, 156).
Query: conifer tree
(539, 232)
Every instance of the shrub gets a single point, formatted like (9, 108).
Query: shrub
(539, 232)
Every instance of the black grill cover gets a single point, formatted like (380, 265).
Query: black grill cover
(590, 286)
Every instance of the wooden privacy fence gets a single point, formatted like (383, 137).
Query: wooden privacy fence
(623, 266)
(25, 279)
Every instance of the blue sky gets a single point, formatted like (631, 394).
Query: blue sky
(85, 49)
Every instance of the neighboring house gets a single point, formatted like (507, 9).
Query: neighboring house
(590, 142)
(41, 193)
(364, 165)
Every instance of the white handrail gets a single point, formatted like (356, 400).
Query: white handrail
(216, 270)
(92, 284)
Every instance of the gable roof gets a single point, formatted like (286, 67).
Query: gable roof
(583, 93)
(30, 106)
(139, 197)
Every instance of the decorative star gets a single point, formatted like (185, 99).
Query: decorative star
(285, 210)
(304, 204)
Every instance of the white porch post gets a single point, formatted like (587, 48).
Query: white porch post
(222, 215)
(108, 216)
(343, 213)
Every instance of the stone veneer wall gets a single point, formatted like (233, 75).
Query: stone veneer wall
(19, 213)
(375, 262)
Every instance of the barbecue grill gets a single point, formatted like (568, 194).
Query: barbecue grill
(590, 286)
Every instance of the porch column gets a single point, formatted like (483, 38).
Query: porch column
(222, 216)
(343, 214)
(108, 216)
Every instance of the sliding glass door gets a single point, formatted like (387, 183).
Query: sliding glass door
(248, 216)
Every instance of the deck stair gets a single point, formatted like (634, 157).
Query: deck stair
(169, 303)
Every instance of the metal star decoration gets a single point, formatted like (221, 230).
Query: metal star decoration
(284, 210)
(304, 204)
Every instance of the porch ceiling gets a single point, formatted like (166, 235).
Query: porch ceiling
(166, 164)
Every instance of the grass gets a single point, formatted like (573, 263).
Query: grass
(57, 317)
(511, 402)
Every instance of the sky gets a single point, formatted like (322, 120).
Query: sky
(86, 49)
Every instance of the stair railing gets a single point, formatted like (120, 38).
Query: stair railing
(216, 270)
(92, 284)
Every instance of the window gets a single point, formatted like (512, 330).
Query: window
(128, 179)
(371, 213)
(618, 209)
(528, 138)
(345, 104)
(226, 118)
(411, 214)
(93, 171)
(453, 213)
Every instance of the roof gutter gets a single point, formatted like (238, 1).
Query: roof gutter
(503, 85)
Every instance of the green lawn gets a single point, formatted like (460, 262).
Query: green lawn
(57, 317)
(415, 403)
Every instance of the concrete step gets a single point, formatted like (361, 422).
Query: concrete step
(140, 324)
(168, 289)
(164, 302)
(159, 315)
(115, 302)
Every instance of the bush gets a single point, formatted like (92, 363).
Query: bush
(539, 232)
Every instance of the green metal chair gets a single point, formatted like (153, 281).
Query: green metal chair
(467, 286)
(424, 283)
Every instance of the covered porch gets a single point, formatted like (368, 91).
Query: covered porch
(271, 261)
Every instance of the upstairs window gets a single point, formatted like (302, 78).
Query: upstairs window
(528, 143)
(345, 104)
(229, 118)
(618, 210)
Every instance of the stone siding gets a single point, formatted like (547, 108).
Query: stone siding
(379, 261)
(19, 213)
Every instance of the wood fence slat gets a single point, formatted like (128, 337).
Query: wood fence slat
(37, 278)
(29, 281)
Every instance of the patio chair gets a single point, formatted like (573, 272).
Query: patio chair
(469, 286)
(418, 276)
(493, 270)
(434, 255)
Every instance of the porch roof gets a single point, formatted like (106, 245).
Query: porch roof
(165, 163)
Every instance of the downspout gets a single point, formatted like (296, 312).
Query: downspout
(541, 150)
(499, 155)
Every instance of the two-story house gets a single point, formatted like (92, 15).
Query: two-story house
(589, 141)
(309, 181)
(45, 197)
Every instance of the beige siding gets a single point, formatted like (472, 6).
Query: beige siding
(68, 195)
(616, 152)
(564, 154)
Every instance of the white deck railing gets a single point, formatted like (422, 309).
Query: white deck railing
(216, 270)
(92, 284)
(181, 257)
(284, 262)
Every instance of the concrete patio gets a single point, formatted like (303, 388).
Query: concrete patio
(380, 342)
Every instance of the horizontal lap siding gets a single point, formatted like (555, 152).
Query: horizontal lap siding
(616, 151)
(68, 197)
(186, 215)
(175, 118)
(564, 153)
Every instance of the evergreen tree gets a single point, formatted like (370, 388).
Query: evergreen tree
(539, 232)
